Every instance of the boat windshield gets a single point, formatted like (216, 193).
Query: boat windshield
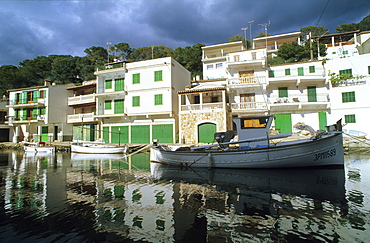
(260, 122)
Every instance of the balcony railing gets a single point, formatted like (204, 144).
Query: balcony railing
(23, 102)
(254, 80)
(317, 72)
(203, 107)
(111, 66)
(84, 117)
(249, 106)
(348, 82)
(299, 98)
(81, 99)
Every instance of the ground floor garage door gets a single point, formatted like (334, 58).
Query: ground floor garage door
(119, 134)
(163, 132)
(140, 134)
(283, 123)
(206, 132)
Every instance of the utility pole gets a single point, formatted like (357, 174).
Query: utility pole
(108, 46)
(265, 25)
(245, 37)
(250, 31)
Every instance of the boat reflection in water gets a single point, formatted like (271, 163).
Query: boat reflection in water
(117, 197)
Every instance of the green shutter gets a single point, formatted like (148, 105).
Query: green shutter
(300, 71)
(140, 134)
(119, 106)
(368, 69)
(206, 132)
(44, 134)
(283, 92)
(45, 94)
(108, 84)
(311, 93)
(271, 74)
(136, 78)
(158, 99)
(36, 95)
(350, 118)
(158, 75)
(312, 69)
(106, 134)
(107, 104)
(24, 114)
(283, 123)
(287, 72)
(135, 101)
(163, 132)
(24, 98)
(348, 97)
(322, 121)
(119, 84)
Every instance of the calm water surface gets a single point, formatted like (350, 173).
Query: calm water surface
(83, 198)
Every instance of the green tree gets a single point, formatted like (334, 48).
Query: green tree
(66, 69)
(292, 52)
(262, 34)
(246, 43)
(8, 78)
(150, 52)
(346, 28)
(315, 31)
(365, 23)
(120, 51)
(96, 55)
(190, 57)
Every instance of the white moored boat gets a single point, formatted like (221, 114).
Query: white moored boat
(92, 148)
(37, 147)
(256, 149)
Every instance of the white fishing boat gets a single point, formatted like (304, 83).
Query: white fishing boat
(256, 148)
(94, 148)
(37, 147)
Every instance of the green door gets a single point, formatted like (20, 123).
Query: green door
(163, 132)
(140, 134)
(283, 123)
(206, 132)
(120, 134)
(322, 120)
(311, 93)
(106, 134)
(44, 134)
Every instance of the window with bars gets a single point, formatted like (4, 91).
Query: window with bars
(107, 105)
(136, 78)
(348, 97)
(135, 101)
(158, 99)
(108, 84)
(350, 118)
(283, 92)
(158, 75)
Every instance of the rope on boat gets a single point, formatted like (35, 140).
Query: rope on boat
(364, 141)
(139, 150)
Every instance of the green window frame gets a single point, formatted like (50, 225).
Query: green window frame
(368, 69)
(312, 69)
(345, 52)
(108, 84)
(300, 71)
(271, 74)
(283, 92)
(119, 84)
(350, 118)
(348, 97)
(346, 71)
(287, 71)
(136, 78)
(158, 76)
(135, 101)
(107, 105)
(158, 99)
(119, 106)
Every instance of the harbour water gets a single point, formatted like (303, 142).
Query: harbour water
(114, 198)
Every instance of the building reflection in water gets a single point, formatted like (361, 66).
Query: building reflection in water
(131, 198)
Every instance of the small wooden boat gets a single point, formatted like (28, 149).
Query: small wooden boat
(37, 147)
(256, 149)
(93, 148)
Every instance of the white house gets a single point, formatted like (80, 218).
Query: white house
(137, 102)
(39, 113)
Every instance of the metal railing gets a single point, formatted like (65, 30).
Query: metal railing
(299, 98)
(249, 105)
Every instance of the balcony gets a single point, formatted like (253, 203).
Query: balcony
(110, 66)
(300, 103)
(79, 118)
(205, 107)
(243, 82)
(81, 100)
(298, 75)
(249, 107)
(26, 119)
(25, 103)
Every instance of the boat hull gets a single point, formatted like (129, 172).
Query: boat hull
(98, 149)
(33, 149)
(326, 151)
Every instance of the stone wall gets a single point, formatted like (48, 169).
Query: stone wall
(189, 124)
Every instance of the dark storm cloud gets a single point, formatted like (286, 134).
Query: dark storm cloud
(34, 28)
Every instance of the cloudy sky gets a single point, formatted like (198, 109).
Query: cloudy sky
(31, 28)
